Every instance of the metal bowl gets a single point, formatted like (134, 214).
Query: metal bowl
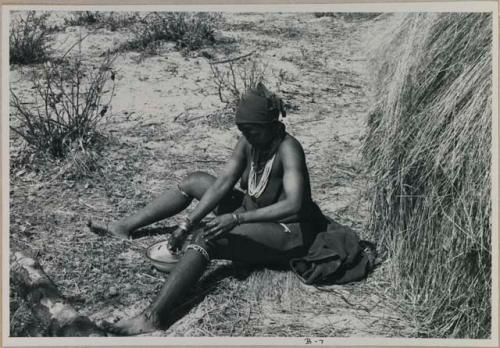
(161, 257)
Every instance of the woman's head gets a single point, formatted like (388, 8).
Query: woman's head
(257, 116)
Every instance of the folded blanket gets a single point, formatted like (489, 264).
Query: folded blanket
(336, 256)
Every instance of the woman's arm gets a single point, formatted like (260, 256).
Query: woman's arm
(294, 167)
(223, 184)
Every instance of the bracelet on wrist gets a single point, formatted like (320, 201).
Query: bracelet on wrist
(185, 224)
(236, 218)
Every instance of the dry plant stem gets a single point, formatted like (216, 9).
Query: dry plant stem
(47, 304)
(236, 76)
(232, 59)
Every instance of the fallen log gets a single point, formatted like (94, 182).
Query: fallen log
(47, 303)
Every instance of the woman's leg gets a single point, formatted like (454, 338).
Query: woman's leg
(185, 274)
(166, 205)
(258, 243)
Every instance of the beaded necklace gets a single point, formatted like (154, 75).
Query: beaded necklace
(256, 189)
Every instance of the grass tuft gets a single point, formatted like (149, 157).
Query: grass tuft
(189, 31)
(110, 20)
(29, 38)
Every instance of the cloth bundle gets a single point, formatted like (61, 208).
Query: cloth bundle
(336, 256)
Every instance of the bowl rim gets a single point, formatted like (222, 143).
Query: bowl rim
(148, 256)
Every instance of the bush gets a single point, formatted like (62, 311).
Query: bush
(70, 101)
(188, 30)
(28, 38)
(428, 149)
(80, 18)
(110, 20)
(233, 77)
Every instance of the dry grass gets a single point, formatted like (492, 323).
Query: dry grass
(270, 303)
(62, 117)
(428, 149)
(186, 30)
(98, 19)
(29, 38)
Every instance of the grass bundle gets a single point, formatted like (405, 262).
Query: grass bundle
(428, 149)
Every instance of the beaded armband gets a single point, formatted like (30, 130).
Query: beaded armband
(199, 249)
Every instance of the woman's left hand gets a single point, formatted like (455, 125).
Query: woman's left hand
(219, 225)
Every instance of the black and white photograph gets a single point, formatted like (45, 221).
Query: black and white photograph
(229, 172)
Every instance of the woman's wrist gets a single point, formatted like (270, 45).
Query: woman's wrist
(186, 224)
(236, 218)
(240, 218)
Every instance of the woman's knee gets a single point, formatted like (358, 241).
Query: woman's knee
(196, 184)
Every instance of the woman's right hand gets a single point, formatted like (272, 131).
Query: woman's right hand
(177, 238)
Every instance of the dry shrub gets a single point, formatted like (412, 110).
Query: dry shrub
(81, 18)
(231, 79)
(235, 77)
(110, 20)
(62, 117)
(428, 149)
(28, 38)
(187, 30)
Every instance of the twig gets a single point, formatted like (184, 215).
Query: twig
(150, 276)
(179, 115)
(200, 160)
(349, 85)
(357, 307)
(307, 121)
(73, 46)
(195, 118)
(232, 59)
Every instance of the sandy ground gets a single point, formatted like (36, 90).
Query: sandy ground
(166, 123)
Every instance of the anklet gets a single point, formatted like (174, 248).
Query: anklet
(199, 249)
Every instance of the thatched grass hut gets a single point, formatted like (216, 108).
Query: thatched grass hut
(428, 150)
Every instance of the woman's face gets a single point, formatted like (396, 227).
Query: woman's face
(258, 135)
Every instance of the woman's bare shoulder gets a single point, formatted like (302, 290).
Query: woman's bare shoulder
(291, 146)
(242, 146)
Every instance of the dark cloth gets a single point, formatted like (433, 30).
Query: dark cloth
(261, 243)
(335, 257)
(265, 243)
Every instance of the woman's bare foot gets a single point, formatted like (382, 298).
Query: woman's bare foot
(137, 325)
(112, 229)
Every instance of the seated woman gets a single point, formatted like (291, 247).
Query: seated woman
(273, 221)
